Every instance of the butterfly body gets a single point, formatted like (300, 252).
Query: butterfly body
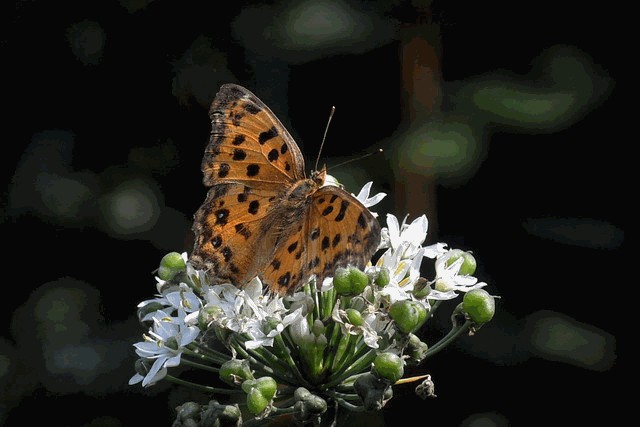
(262, 216)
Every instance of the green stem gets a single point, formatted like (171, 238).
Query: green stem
(204, 352)
(453, 334)
(203, 388)
(339, 395)
(334, 332)
(434, 307)
(292, 365)
(359, 365)
(349, 406)
(185, 361)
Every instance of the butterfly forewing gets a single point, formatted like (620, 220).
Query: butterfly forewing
(248, 143)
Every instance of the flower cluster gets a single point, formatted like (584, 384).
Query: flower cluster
(341, 344)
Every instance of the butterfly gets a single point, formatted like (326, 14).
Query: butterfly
(262, 216)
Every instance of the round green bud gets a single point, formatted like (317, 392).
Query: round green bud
(408, 315)
(260, 393)
(170, 265)
(256, 402)
(349, 281)
(416, 349)
(235, 371)
(479, 305)
(468, 265)
(421, 289)
(388, 366)
(208, 314)
(354, 316)
(382, 278)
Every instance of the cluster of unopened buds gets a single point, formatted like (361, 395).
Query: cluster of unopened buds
(341, 345)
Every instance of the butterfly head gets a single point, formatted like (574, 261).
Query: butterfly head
(318, 176)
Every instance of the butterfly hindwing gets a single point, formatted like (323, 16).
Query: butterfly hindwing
(231, 240)
(336, 231)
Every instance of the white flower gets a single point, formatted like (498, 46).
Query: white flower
(163, 345)
(184, 298)
(403, 272)
(367, 329)
(448, 280)
(363, 196)
(414, 234)
(274, 325)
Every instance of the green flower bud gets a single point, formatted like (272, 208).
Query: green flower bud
(408, 315)
(421, 289)
(479, 306)
(388, 366)
(354, 316)
(235, 371)
(257, 402)
(207, 314)
(170, 265)
(260, 393)
(468, 265)
(416, 349)
(349, 281)
(382, 278)
(318, 328)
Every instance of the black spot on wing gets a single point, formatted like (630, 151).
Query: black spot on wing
(244, 231)
(327, 210)
(227, 253)
(223, 170)
(239, 154)
(325, 242)
(252, 108)
(267, 135)
(362, 221)
(253, 207)
(284, 279)
(253, 169)
(222, 215)
(315, 233)
(343, 210)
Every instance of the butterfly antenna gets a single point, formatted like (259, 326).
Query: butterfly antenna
(326, 129)
(356, 158)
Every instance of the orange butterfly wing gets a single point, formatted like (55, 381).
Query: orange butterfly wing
(262, 217)
(335, 231)
(248, 144)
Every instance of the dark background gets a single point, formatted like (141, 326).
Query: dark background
(107, 101)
